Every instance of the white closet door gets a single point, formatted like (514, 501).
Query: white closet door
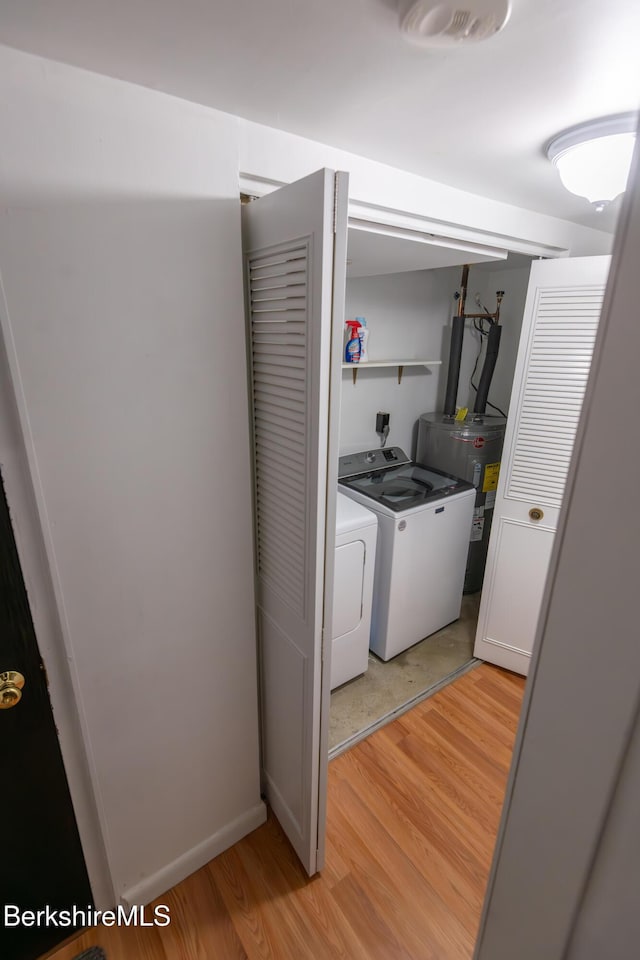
(562, 311)
(296, 309)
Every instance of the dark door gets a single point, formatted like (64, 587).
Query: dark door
(41, 861)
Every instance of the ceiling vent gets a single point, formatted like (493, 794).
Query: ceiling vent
(430, 23)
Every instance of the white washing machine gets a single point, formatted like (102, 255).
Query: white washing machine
(356, 535)
(424, 523)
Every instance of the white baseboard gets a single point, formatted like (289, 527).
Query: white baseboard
(162, 880)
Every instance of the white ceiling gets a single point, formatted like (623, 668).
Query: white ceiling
(338, 71)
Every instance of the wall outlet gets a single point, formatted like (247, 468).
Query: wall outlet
(382, 421)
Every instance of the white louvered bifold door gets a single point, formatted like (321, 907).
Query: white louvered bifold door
(562, 311)
(295, 305)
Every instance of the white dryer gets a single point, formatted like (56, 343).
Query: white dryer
(356, 535)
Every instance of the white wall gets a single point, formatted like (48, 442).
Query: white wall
(409, 316)
(283, 157)
(123, 323)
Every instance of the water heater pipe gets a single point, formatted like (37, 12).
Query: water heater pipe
(493, 346)
(455, 349)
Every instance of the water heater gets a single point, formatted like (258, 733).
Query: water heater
(470, 449)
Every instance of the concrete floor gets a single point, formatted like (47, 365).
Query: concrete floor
(385, 688)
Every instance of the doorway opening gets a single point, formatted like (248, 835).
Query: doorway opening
(408, 304)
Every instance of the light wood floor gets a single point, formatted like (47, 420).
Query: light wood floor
(413, 815)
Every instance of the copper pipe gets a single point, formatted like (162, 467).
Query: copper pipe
(486, 316)
(463, 290)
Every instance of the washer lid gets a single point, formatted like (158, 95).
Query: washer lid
(351, 515)
(407, 486)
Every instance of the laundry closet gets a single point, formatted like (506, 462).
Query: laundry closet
(406, 290)
(315, 432)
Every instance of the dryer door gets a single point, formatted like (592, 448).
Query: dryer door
(349, 584)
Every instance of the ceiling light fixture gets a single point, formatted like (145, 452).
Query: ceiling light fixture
(593, 159)
(432, 23)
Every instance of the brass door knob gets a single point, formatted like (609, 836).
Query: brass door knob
(11, 684)
(536, 513)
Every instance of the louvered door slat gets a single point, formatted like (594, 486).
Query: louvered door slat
(284, 534)
(274, 304)
(280, 261)
(279, 558)
(292, 389)
(278, 304)
(547, 378)
(283, 278)
(277, 408)
(278, 417)
(285, 445)
(277, 566)
(270, 367)
(268, 315)
(274, 488)
(283, 546)
(268, 374)
(273, 571)
(270, 489)
(290, 484)
(275, 393)
(566, 405)
(278, 349)
(270, 465)
(557, 369)
(264, 328)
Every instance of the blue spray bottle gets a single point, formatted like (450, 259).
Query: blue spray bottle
(352, 349)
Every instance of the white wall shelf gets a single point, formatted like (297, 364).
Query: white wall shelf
(400, 364)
